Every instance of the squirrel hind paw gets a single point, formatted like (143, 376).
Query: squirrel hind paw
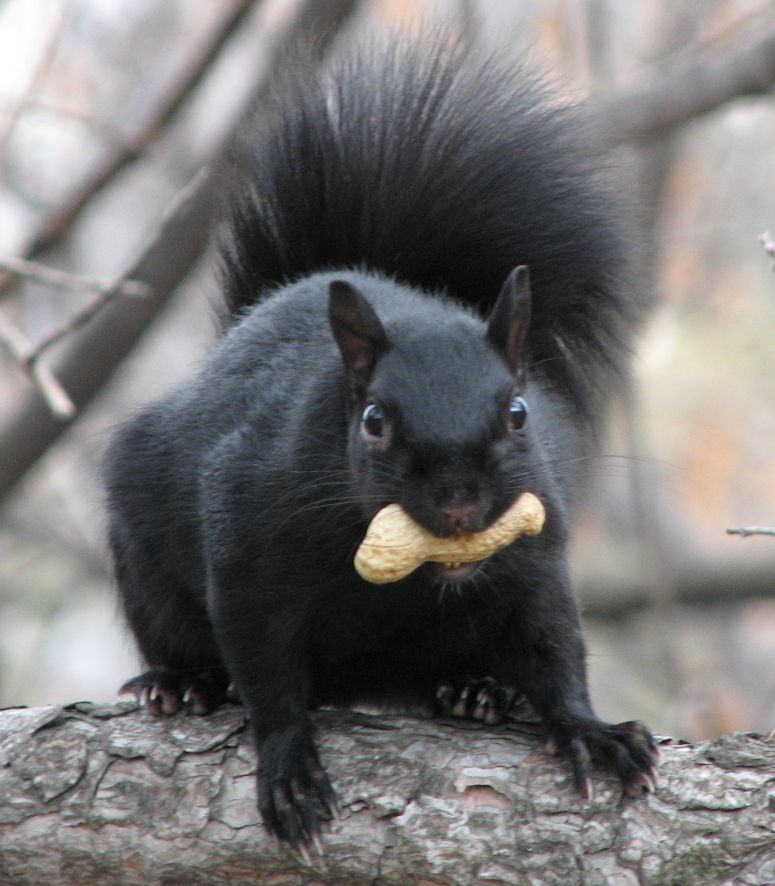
(165, 692)
(482, 699)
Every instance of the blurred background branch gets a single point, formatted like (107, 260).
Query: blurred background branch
(90, 358)
(135, 135)
(698, 85)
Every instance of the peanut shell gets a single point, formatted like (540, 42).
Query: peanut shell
(395, 545)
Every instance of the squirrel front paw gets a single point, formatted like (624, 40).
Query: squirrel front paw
(295, 796)
(627, 748)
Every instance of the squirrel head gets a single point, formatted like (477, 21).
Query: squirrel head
(437, 401)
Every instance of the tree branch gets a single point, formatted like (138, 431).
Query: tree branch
(693, 581)
(45, 59)
(90, 357)
(15, 343)
(745, 531)
(57, 278)
(133, 143)
(107, 795)
(694, 88)
(27, 355)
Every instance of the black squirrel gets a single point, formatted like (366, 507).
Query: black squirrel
(384, 346)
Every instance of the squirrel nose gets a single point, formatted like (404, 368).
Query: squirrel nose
(459, 516)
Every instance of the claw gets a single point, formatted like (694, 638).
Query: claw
(626, 747)
(645, 783)
(482, 699)
(491, 718)
(444, 692)
(303, 851)
(334, 809)
(459, 708)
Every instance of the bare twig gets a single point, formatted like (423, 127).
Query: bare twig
(745, 531)
(57, 278)
(21, 351)
(108, 130)
(689, 91)
(59, 221)
(86, 363)
(27, 355)
(720, 34)
(38, 76)
(87, 313)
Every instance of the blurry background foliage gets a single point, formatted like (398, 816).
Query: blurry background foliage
(680, 616)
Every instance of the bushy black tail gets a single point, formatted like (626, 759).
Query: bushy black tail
(428, 163)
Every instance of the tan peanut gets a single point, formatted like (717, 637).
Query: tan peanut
(395, 545)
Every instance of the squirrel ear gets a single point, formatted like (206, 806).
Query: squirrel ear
(358, 332)
(509, 320)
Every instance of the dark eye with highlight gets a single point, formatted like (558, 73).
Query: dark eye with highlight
(374, 425)
(517, 413)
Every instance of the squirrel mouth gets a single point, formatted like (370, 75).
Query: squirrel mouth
(454, 572)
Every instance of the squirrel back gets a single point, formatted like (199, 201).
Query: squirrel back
(443, 168)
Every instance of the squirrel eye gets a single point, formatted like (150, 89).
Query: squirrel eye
(372, 422)
(517, 413)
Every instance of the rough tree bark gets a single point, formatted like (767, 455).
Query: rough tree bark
(108, 795)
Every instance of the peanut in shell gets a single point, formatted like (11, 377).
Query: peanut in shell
(395, 545)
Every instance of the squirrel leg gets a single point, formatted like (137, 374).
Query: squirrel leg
(264, 653)
(547, 655)
(573, 729)
(174, 636)
(259, 610)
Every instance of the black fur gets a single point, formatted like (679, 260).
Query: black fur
(382, 210)
(444, 169)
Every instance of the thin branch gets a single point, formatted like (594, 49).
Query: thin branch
(27, 356)
(108, 130)
(16, 345)
(84, 316)
(59, 221)
(745, 531)
(45, 60)
(88, 360)
(689, 91)
(722, 33)
(59, 279)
